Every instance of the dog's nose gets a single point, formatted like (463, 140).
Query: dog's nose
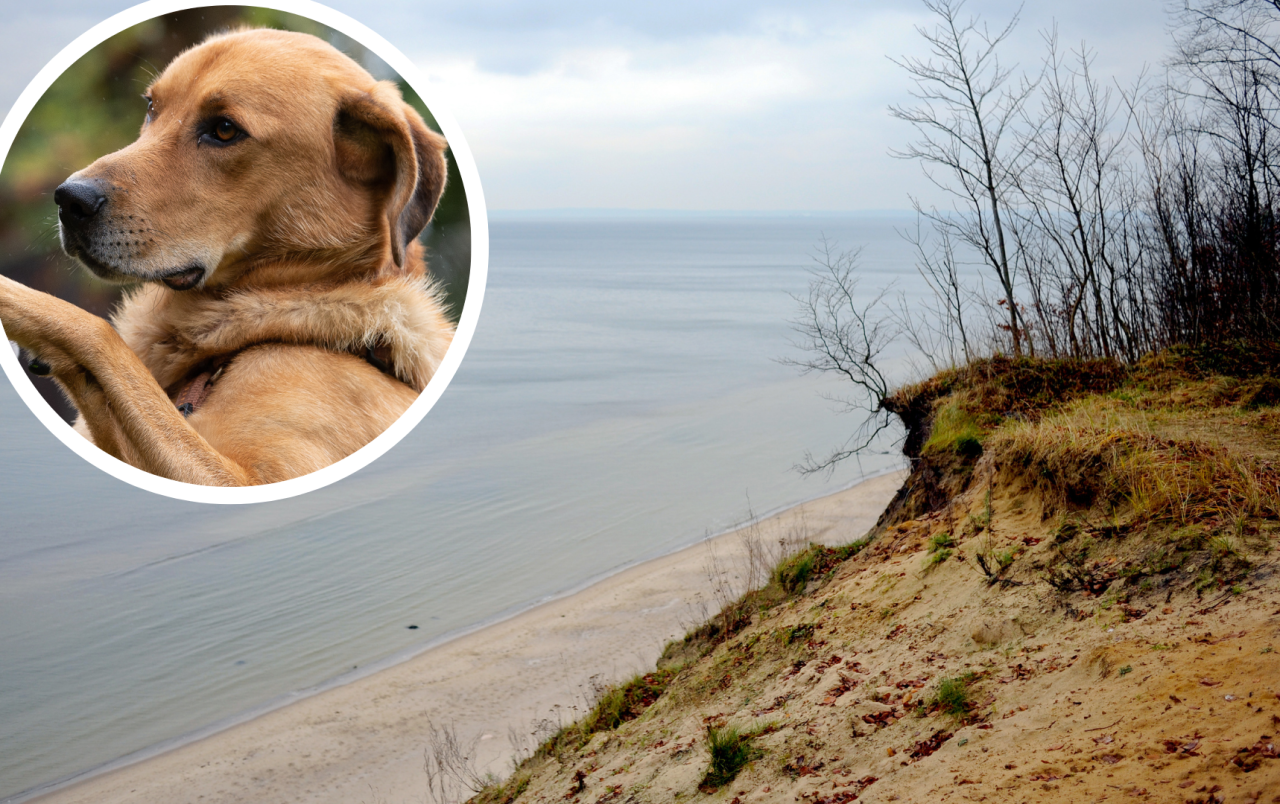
(78, 201)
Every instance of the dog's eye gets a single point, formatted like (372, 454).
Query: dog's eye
(151, 106)
(221, 131)
(225, 130)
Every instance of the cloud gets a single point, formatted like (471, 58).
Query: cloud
(725, 121)
(755, 104)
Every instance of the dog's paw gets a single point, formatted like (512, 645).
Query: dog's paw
(30, 361)
(38, 367)
(49, 361)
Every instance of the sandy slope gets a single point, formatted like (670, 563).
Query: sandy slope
(364, 742)
(1174, 697)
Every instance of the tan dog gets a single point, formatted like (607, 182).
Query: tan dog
(272, 205)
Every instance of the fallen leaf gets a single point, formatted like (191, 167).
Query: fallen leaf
(926, 747)
(1248, 759)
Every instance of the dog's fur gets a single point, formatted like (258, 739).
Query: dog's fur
(296, 243)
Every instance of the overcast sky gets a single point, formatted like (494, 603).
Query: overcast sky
(674, 104)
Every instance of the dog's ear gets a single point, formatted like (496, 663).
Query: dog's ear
(380, 140)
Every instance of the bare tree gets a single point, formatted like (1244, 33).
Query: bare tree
(845, 333)
(1220, 216)
(1217, 37)
(1077, 209)
(941, 331)
(967, 110)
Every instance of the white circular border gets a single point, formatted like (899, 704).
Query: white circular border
(470, 311)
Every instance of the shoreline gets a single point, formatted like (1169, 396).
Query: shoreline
(540, 661)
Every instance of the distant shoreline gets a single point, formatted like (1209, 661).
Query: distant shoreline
(477, 676)
(573, 213)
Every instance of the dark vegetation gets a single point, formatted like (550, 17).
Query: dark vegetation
(1117, 356)
(1115, 222)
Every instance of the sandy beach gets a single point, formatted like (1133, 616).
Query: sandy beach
(365, 741)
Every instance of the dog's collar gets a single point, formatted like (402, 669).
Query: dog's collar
(196, 390)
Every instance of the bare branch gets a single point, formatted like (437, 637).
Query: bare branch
(845, 333)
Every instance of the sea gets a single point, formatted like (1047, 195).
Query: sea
(626, 395)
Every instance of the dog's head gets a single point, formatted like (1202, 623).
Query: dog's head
(264, 154)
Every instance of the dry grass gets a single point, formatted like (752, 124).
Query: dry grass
(1147, 465)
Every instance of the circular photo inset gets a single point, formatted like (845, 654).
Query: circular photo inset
(239, 256)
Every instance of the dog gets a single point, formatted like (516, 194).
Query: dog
(270, 209)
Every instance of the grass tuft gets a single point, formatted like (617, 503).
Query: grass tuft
(935, 559)
(504, 792)
(952, 696)
(794, 574)
(939, 541)
(731, 751)
(615, 706)
(627, 701)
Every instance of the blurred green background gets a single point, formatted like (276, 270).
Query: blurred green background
(96, 107)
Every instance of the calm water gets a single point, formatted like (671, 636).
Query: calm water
(621, 399)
